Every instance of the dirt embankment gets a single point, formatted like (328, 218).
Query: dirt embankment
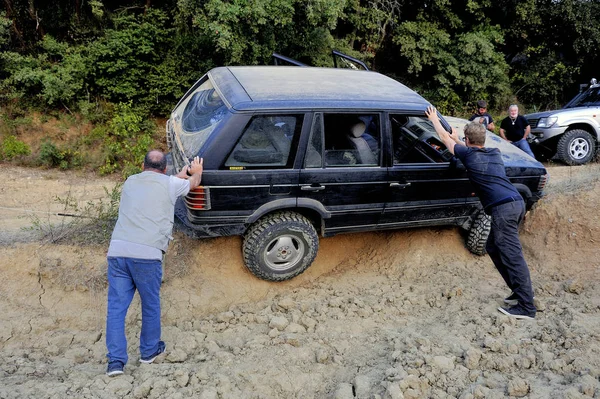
(406, 314)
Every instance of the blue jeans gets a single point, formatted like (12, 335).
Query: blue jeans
(125, 275)
(524, 145)
(504, 247)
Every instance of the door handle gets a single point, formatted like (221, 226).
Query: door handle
(312, 188)
(399, 185)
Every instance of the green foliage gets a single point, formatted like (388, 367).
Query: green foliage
(5, 24)
(13, 147)
(126, 141)
(52, 156)
(82, 55)
(56, 76)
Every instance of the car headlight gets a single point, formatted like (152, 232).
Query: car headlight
(547, 122)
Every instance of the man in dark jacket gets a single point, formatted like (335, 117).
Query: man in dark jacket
(502, 201)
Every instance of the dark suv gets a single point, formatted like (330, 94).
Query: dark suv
(291, 151)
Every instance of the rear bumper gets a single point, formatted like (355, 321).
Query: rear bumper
(204, 230)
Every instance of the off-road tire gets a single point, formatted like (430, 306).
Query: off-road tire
(479, 233)
(576, 147)
(280, 246)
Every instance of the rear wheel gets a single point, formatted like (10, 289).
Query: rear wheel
(576, 147)
(280, 246)
(478, 233)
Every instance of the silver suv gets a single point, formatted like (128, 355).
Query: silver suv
(569, 134)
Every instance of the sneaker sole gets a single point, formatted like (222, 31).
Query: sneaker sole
(516, 316)
(114, 373)
(148, 361)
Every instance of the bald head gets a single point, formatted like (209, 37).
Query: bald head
(155, 160)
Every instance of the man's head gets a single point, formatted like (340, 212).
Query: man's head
(481, 107)
(513, 111)
(155, 160)
(475, 134)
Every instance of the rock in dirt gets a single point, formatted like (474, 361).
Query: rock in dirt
(518, 387)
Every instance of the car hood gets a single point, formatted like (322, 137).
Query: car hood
(512, 156)
(564, 113)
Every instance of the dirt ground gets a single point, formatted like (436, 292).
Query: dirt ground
(405, 314)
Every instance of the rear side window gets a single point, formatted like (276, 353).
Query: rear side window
(351, 140)
(197, 117)
(267, 141)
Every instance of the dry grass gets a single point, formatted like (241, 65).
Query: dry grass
(571, 179)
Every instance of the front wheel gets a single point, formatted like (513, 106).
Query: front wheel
(280, 246)
(479, 233)
(576, 147)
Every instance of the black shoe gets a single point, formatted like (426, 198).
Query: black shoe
(517, 312)
(150, 359)
(512, 300)
(115, 368)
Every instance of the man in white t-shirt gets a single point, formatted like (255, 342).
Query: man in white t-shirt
(139, 240)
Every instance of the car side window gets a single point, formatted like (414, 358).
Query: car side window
(415, 141)
(267, 141)
(351, 140)
(313, 158)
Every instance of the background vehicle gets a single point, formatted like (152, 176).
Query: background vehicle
(292, 152)
(570, 134)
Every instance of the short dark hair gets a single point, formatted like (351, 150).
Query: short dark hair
(155, 160)
(475, 132)
(481, 104)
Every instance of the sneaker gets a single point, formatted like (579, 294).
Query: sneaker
(115, 368)
(517, 312)
(150, 359)
(512, 300)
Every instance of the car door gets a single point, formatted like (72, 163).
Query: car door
(259, 168)
(426, 184)
(342, 172)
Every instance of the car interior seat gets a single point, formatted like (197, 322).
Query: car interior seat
(363, 154)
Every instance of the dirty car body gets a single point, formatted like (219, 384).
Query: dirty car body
(291, 153)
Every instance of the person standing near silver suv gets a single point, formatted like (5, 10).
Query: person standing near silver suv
(515, 129)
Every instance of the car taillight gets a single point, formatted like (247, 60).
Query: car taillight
(543, 181)
(198, 199)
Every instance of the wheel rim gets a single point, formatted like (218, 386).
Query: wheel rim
(579, 148)
(284, 252)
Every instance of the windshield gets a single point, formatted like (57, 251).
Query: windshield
(591, 97)
(197, 117)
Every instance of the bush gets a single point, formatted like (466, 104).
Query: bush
(12, 147)
(51, 156)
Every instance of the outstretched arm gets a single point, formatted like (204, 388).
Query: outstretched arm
(449, 139)
(193, 172)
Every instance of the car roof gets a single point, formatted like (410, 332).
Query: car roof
(247, 88)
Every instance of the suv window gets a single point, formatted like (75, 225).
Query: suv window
(197, 116)
(350, 139)
(591, 97)
(266, 142)
(415, 141)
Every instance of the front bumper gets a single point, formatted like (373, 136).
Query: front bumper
(538, 136)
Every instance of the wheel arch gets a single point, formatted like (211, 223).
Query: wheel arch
(586, 127)
(525, 193)
(311, 209)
